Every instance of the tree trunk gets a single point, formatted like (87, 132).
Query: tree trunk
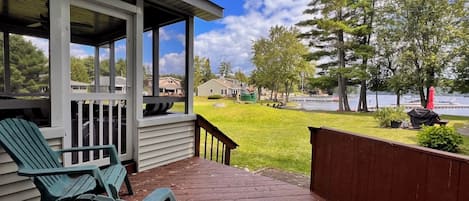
(339, 93)
(376, 98)
(362, 102)
(286, 92)
(343, 102)
(423, 100)
(271, 94)
(259, 91)
(398, 98)
(346, 105)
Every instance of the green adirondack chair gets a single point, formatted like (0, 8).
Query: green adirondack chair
(23, 141)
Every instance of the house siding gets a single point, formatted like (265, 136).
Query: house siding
(209, 88)
(162, 144)
(14, 187)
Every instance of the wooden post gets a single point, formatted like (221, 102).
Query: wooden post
(312, 139)
(227, 156)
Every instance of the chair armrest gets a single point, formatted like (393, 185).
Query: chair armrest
(113, 153)
(92, 170)
(86, 169)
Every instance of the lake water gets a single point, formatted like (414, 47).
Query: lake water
(387, 100)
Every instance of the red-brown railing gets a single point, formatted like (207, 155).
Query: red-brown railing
(351, 167)
(216, 146)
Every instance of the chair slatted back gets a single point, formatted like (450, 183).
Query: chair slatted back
(23, 141)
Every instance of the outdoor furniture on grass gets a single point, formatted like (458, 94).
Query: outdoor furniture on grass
(23, 141)
(424, 116)
(160, 194)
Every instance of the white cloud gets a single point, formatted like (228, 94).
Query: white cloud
(233, 42)
(79, 51)
(172, 63)
(76, 50)
(164, 35)
(120, 48)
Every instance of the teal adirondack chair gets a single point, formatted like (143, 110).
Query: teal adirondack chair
(23, 141)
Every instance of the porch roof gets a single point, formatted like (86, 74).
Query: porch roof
(93, 28)
(199, 179)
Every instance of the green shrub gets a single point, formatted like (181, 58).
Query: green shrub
(440, 137)
(387, 114)
(216, 96)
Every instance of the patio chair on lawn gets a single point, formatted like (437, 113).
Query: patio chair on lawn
(160, 194)
(23, 141)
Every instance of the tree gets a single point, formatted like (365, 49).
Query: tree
(239, 75)
(78, 70)
(461, 81)
(198, 62)
(121, 67)
(279, 60)
(225, 69)
(28, 65)
(430, 35)
(389, 73)
(364, 15)
(332, 26)
(206, 71)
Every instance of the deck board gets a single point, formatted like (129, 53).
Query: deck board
(199, 179)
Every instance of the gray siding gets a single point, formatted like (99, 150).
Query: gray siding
(14, 187)
(163, 144)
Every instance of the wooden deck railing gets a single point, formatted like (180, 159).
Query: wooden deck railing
(351, 167)
(212, 142)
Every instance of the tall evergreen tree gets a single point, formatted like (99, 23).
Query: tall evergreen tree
(28, 65)
(206, 70)
(332, 24)
(225, 69)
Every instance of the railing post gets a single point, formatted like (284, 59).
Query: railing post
(313, 132)
(197, 139)
(227, 156)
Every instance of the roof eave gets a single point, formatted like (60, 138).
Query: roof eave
(203, 9)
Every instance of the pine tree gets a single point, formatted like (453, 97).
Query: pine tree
(28, 65)
(332, 26)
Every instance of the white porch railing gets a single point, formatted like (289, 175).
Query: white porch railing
(99, 119)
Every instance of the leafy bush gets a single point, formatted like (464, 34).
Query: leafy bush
(444, 138)
(216, 96)
(388, 114)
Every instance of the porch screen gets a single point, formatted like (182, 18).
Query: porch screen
(24, 78)
(165, 75)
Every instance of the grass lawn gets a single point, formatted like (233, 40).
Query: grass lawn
(277, 138)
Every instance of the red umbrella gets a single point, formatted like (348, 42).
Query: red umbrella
(431, 98)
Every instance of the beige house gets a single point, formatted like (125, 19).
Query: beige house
(223, 86)
(170, 86)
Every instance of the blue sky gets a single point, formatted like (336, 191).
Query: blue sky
(228, 39)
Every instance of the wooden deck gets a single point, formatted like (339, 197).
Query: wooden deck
(199, 179)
